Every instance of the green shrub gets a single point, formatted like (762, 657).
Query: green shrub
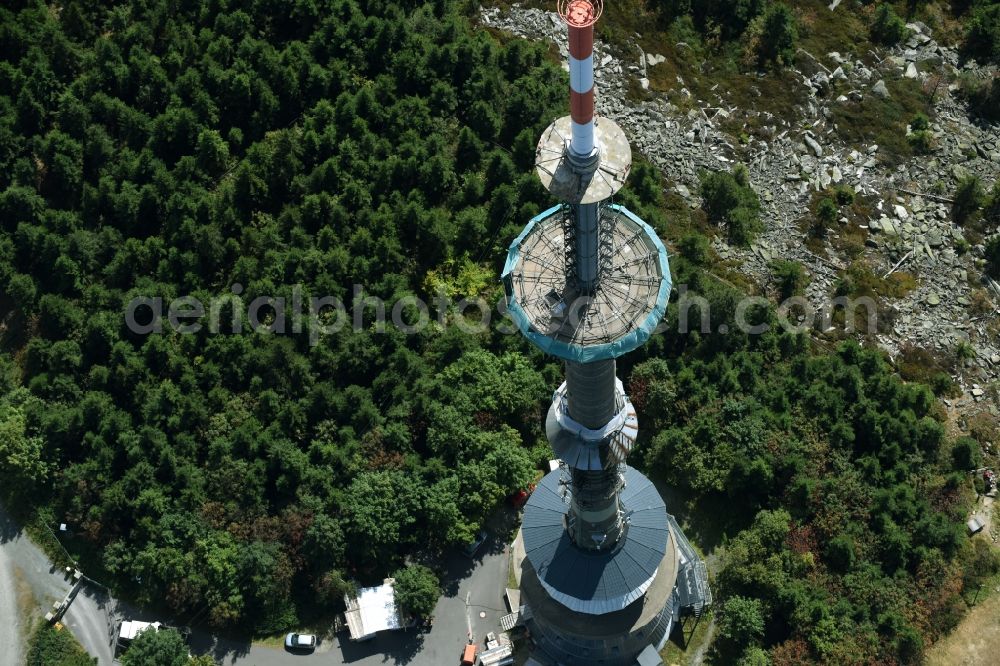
(921, 141)
(826, 212)
(844, 195)
(966, 454)
(993, 257)
(754, 656)
(888, 28)
(742, 620)
(920, 138)
(744, 225)
(982, 39)
(729, 200)
(694, 247)
(983, 97)
(417, 590)
(991, 209)
(778, 36)
(729, 18)
(942, 383)
(163, 648)
(840, 553)
(791, 277)
(969, 198)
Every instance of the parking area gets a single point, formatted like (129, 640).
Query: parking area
(473, 596)
(473, 600)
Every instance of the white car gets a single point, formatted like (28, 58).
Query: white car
(300, 641)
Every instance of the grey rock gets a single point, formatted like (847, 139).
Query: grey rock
(881, 90)
(813, 145)
(911, 71)
(933, 299)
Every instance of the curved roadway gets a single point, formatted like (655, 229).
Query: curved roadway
(29, 585)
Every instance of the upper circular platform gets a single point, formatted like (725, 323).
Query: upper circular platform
(596, 582)
(619, 316)
(570, 184)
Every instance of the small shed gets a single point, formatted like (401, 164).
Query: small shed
(371, 610)
(975, 525)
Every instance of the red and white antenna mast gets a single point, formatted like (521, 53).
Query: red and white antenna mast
(580, 16)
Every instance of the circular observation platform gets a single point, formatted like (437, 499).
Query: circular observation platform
(618, 317)
(598, 582)
(574, 184)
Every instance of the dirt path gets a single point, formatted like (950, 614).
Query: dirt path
(698, 658)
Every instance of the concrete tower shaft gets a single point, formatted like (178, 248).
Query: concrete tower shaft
(593, 401)
(590, 392)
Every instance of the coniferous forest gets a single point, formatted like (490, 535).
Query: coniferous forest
(167, 148)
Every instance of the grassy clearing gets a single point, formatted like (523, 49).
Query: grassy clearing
(860, 280)
(688, 641)
(874, 120)
(976, 640)
(930, 367)
(848, 239)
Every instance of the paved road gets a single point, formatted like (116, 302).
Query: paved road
(93, 616)
(28, 582)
